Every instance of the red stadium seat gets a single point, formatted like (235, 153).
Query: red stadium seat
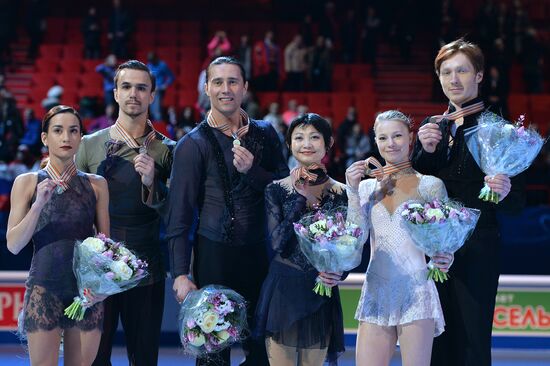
(46, 65)
(51, 51)
(71, 65)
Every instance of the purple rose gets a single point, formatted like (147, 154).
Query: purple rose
(109, 275)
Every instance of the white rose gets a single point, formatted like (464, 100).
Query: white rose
(223, 335)
(122, 251)
(121, 270)
(209, 321)
(318, 227)
(434, 212)
(197, 341)
(94, 244)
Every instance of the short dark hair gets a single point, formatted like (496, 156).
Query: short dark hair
(58, 109)
(469, 49)
(226, 60)
(311, 119)
(136, 65)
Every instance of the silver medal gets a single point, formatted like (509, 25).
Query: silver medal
(59, 190)
(142, 149)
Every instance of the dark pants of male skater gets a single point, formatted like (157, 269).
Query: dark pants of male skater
(140, 310)
(243, 269)
(468, 301)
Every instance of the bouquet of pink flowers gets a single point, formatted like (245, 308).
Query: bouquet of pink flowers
(102, 267)
(439, 227)
(211, 319)
(500, 147)
(330, 243)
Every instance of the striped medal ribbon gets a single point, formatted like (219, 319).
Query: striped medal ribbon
(131, 142)
(381, 171)
(466, 111)
(61, 179)
(223, 127)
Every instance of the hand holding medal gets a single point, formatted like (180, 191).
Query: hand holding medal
(242, 158)
(145, 167)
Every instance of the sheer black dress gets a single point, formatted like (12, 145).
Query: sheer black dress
(51, 285)
(288, 310)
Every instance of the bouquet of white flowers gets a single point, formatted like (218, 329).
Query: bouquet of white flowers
(211, 319)
(500, 147)
(102, 267)
(439, 227)
(330, 243)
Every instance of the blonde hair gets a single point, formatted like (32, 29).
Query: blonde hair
(392, 115)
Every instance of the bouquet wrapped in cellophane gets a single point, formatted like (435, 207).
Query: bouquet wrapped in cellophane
(500, 147)
(102, 267)
(439, 227)
(330, 243)
(211, 319)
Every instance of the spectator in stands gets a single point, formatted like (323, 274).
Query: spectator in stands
(173, 127)
(244, 55)
(440, 151)
(265, 63)
(35, 24)
(103, 121)
(487, 24)
(53, 97)
(219, 44)
(519, 23)
(328, 24)
(11, 126)
(251, 105)
(495, 92)
(230, 247)
(91, 32)
(533, 62)
(345, 128)
(348, 37)
(369, 36)
(276, 121)
(107, 70)
(295, 64)
(321, 65)
(120, 28)
(358, 146)
(136, 161)
(33, 128)
(188, 120)
(55, 207)
(291, 112)
(8, 28)
(164, 78)
(25, 161)
(306, 30)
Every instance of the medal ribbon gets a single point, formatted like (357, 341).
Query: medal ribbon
(382, 171)
(245, 121)
(304, 173)
(61, 179)
(466, 111)
(130, 141)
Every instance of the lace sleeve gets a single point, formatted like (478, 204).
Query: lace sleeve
(432, 188)
(358, 203)
(280, 225)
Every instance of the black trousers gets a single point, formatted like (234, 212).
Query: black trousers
(140, 310)
(240, 268)
(468, 301)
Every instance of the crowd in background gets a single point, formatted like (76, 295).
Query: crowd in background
(331, 33)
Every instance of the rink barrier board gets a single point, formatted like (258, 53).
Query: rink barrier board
(522, 311)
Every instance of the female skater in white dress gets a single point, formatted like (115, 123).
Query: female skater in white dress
(397, 302)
